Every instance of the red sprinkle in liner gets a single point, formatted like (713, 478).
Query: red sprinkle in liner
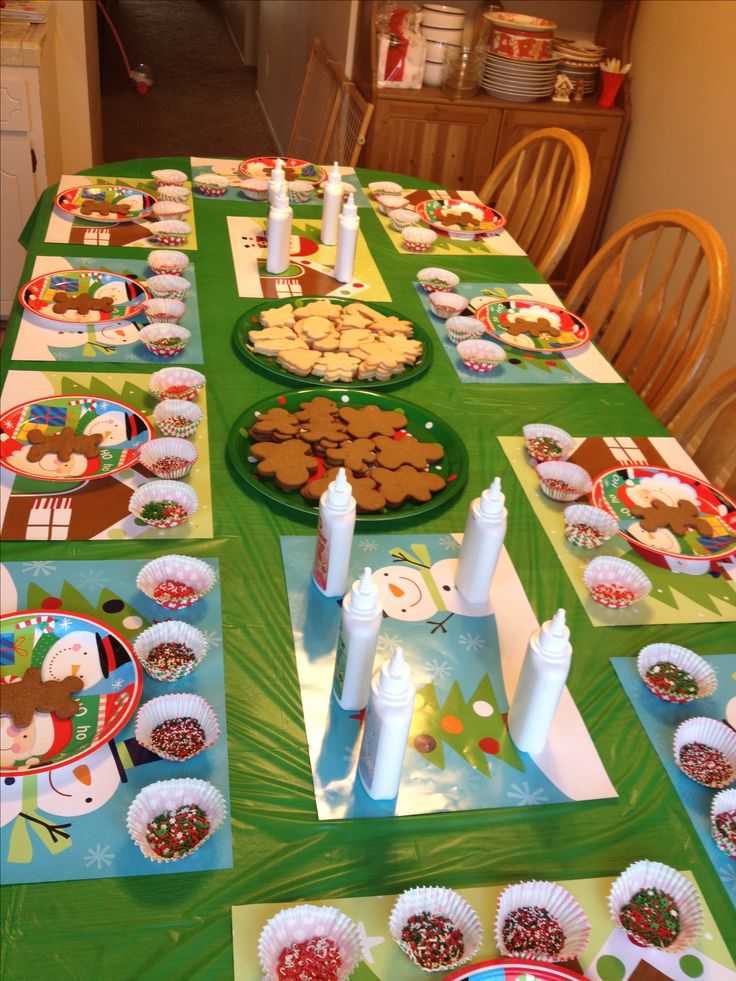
(317, 959)
(175, 593)
(671, 683)
(180, 392)
(174, 834)
(543, 448)
(432, 940)
(171, 660)
(706, 765)
(530, 931)
(167, 466)
(181, 738)
(612, 595)
(724, 832)
(652, 916)
(560, 486)
(584, 535)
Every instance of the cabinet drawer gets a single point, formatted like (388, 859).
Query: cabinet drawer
(14, 104)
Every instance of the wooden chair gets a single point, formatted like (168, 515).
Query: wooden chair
(332, 117)
(541, 186)
(706, 427)
(656, 297)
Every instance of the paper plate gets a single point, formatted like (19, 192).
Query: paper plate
(421, 423)
(624, 489)
(494, 316)
(296, 170)
(513, 969)
(139, 202)
(436, 213)
(61, 644)
(128, 295)
(269, 365)
(124, 431)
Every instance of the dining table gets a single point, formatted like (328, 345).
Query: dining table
(179, 925)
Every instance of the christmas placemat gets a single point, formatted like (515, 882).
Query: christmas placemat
(580, 365)
(660, 719)
(86, 499)
(500, 243)
(69, 822)
(102, 211)
(310, 272)
(230, 169)
(608, 956)
(94, 333)
(465, 663)
(678, 594)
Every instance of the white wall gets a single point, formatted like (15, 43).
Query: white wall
(681, 148)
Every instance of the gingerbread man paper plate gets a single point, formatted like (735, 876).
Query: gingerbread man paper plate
(105, 202)
(533, 326)
(460, 219)
(83, 296)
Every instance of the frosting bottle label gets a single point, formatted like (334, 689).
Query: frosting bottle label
(321, 559)
(369, 748)
(340, 662)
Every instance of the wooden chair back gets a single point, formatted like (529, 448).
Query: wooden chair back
(706, 427)
(656, 297)
(332, 117)
(541, 185)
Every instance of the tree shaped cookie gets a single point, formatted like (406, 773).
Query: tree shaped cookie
(21, 699)
(372, 421)
(678, 517)
(63, 443)
(406, 483)
(289, 463)
(395, 453)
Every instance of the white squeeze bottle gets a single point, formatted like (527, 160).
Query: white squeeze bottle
(334, 536)
(362, 616)
(347, 241)
(387, 725)
(275, 180)
(278, 233)
(331, 204)
(541, 683)
(485, 529)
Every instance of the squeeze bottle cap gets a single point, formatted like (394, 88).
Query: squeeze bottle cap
(339, 491)
(335, 175)
(364, 593)
(395, 675)
(278, 172)
(555, 634)
(492, 500)
(349, 210)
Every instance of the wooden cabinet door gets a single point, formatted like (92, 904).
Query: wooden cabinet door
(451, 145)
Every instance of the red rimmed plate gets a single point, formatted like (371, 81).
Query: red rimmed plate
(85, 288)
(513, 969)
(296, 170)
(460, 219)
(60, 644)
(131, 202)
(521, 323)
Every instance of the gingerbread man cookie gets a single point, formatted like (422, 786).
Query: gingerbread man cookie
(81, 302)
(289, 463)
(22, 699)
(355, 454)
(406, 483)
(372, 421)
(63, 443)
(276, 424)
(395, 453)
(318, 406)
(537, 327)
(103, 208)
(368, 499)
(678, 517)
(462, 218)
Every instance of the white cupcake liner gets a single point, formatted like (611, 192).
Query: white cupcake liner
(299, 191)
(463, 328)
(154, 334)
(441, 901)
(211, 185)
(255, 188)
(168, 795)
(391, 202)
(384, 187)
(156, 450)
(479, 355)
(712, 733)
(176, 383)
(418, 238)
(169, 176)
(299, 923)
(177, 417)
(180, 705)
(170, 632)
(608, 570)
(702, 673)
(402, 218)
(541, 430)
(182, 568)
(163, 490)
(168, 261)
(655, 875)
(569, 473)
(558, 902)
(165, 311)
(445, 304)
(171, 231)
(166, 210)
(436, 280)
(168, 287)
(173, 192)
(581, 517)
(724, 800)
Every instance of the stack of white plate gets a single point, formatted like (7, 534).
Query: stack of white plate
(519, 81)
(442, 27)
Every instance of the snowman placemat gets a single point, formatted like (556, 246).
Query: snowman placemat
(81, 490)
(67, 784)
(634, 473)
(465, 664)
(99, 315)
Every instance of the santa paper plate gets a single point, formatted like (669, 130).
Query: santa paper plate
(533, 326)
(62, 438)
(672, 519)
(460, 219)
(41, 651)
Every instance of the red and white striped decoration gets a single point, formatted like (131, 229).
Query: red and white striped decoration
(46, 624)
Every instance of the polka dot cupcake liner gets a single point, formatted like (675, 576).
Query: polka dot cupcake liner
(479, 355)
(164, 310)
(654, 876)
(402, 218)
(173, 192)
(298, 925)
(588, 527)
(176, 581)
(702, 674)
(170, 632)
(463, 329)
(167, 708)
(384, 187)
(168, 286)
(167, 261)
(615, 583)
(554, 900)
(391, 202)
(177, 417)
(166, 210)
(171, 232)
(436, 280)
(445, 304)
(417, 239)
(704, 750)
(148, 503)
(163, 339)
(563, 481)
(723, 821)
(211, 185)
(176, 383)
(169, 177)
(167, 796)
(437, 901)
(255, 189)
(544, 442)
(170, 457)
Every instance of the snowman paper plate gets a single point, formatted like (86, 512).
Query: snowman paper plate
(60, 644)
(26, 427)
(667, 516)
(116, 202)
(515, 969)
(295, 170)
(460, 219)
(83, 296)
(533, 326)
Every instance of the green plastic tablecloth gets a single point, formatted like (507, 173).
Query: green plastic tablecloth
(179, 926)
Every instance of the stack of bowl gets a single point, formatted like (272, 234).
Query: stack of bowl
(442, 28)
(520, 64)
(580, 60)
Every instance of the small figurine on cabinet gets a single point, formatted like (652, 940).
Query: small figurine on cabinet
(563, 89)
(579, 91)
